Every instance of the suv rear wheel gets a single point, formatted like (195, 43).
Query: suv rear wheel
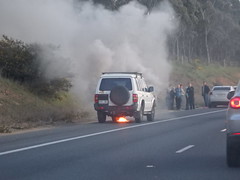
(101, 117)
(139, 115)
(114, 118)
(150, 117)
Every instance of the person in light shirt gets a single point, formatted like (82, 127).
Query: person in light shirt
(179, 93)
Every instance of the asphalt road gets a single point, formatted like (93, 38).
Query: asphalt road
(184, 145)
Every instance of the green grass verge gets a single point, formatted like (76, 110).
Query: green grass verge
(21, 109)
(196, 73)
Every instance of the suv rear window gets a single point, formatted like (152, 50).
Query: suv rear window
(221, 89)
(108, 84)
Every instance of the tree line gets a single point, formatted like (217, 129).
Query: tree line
(21, 62)
(209, 29)
(209, 32)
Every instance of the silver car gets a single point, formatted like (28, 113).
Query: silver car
(218, 95)
(233, 128)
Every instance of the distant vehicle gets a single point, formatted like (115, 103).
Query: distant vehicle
(218, 96)
(233, 128)
(121, 94)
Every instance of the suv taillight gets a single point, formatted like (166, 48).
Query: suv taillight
(235, 103)
(135, 98)
(96, 98)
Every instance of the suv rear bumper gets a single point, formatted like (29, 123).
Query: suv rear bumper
(117, 110)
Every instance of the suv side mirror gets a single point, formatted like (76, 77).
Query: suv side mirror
(230, 94)
(151, 89)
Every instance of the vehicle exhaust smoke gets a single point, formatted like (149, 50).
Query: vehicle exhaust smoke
(92, 39)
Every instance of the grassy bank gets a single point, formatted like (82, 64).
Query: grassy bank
(21, 109)
(196, 73)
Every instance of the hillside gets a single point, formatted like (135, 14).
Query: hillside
(196, 73)
(21, 109)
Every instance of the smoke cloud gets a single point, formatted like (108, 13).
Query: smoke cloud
(92, 39)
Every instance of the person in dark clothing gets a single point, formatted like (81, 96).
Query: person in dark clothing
(205, 92)
(170, 98)
(187, 100)
(190, 97)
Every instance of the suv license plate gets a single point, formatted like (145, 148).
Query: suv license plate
(103, 102)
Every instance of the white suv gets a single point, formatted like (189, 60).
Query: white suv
(124, 94)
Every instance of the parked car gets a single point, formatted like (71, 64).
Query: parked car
(218, 96)
(233, 128)
(121, 94)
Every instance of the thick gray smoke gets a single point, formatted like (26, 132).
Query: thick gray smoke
(92, 39)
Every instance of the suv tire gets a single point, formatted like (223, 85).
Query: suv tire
(119, 95)
(150, 117)
(101, 116)
(114, 118)
(139, 115)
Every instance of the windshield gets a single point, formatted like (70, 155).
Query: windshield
(108, 84)
(221, 88)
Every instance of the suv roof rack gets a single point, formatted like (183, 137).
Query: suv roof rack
(136, 73)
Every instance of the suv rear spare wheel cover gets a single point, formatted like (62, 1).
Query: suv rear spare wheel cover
(119, 95)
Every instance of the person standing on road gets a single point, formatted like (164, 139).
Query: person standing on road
(168, 98)
(190, 97)
(179, 92)
(205, 92)
(172, 96)
(187, 99)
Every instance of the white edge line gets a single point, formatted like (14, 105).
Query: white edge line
(223, 130)
(185, 149)
(100, 133)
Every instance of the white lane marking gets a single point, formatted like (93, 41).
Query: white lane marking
(223, 130)
(185, 149)
(103, 132)
(150, 166)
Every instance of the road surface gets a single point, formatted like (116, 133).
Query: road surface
(183, 145)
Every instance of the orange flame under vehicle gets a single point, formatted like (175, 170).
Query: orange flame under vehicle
(122, 120)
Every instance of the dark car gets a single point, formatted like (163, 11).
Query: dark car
(233, 128)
